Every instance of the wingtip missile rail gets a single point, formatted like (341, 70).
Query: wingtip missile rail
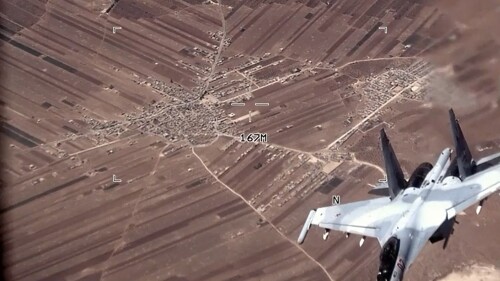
(306, 227)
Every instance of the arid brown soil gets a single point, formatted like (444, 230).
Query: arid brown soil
(121, 148)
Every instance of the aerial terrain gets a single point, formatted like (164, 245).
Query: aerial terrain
(125, 124)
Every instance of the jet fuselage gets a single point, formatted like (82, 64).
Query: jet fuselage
(415, 211)
(422, 212)
(410, 221)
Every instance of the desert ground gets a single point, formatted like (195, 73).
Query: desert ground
(475, 272)
(125, 130)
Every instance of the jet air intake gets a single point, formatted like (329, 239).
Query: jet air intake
(418, 176)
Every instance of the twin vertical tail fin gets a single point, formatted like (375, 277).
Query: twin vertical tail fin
(465, 163)
(395, 177)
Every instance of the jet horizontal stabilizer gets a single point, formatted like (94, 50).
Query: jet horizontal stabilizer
(380, 189)
(380, 185)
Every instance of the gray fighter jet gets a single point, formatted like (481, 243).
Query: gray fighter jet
(417, 210)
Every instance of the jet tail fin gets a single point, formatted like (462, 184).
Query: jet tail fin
(395, 177)
(465, 162)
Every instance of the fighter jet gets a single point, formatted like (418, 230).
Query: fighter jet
(417, 210)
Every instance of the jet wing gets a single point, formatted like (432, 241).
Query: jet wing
(445, 201)
(371, 218)
(460, 196)
(474, 194)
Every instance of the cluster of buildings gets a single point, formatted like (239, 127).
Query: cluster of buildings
(379, 89)
(198, 123)
(175, 93)
(178, 115)
(102, 130)
(297, 188)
